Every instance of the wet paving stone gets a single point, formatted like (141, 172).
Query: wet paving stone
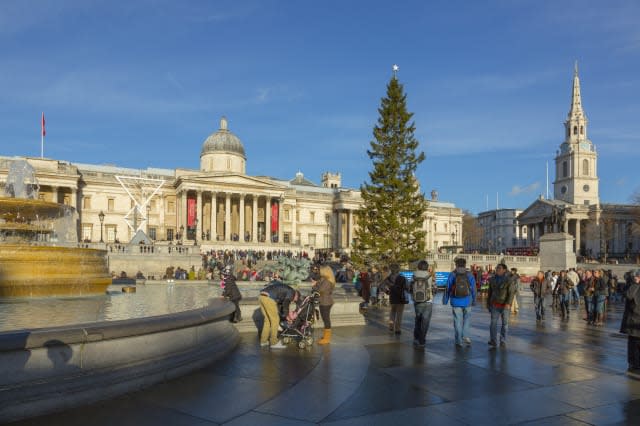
(553, 373)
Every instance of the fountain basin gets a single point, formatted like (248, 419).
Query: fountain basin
(52, 369)
(35, 271)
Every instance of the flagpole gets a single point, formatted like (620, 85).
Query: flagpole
(42, 133)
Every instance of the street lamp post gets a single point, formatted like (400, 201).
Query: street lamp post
(181, 232)
(101, 217)
(327, 219)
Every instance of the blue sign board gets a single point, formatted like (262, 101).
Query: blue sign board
(441, 279)
(408, 275)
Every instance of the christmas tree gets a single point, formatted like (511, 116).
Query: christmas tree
(390, 222)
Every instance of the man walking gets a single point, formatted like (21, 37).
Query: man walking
(501, 291)
(461, 293)
(422, 294)
(540, 286)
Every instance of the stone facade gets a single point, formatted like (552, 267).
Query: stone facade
(598, 230)
(218, 205)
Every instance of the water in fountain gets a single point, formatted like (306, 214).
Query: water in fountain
(26, 219)
(39, 255)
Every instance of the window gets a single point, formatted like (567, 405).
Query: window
(86, 203)
(111, 233)
(565, 169)
(287, 237)
(297, 241)
(582, 130)
(312, 217)
(152, 233)
(575, 130)
(171, 206)
(87, 229)
(287, 215)
(585, 167)
(170, 234)
(111, 204)
(312, 239)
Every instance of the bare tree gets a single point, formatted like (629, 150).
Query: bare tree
(472, 232)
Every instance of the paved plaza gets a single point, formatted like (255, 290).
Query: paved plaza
(555, 373)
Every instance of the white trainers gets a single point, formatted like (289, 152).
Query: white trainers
(278, 345)
(262, 345)
(467, 341)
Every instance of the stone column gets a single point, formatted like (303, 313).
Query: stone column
(267, 219)
(162, 227)
(294, 223)
(339, 229)
(74, 198)
(577, 236)
(227, 217)
(241, 227)
(349, 227)
(254, 219)
(214, 216)
(54, 194)
(183, 215)
(198, 215)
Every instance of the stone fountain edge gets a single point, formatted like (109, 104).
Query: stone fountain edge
(52, 369)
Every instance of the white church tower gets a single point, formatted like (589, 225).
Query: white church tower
(576, 161)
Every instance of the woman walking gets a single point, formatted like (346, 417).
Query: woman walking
(397, 298)
(325, 286)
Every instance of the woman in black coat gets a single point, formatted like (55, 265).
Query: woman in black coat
(631, 325)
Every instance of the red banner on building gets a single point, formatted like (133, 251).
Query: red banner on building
(191, 212)
(274, 217)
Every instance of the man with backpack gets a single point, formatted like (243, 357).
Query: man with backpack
(422, 293)
(461, 293)
(501, 292)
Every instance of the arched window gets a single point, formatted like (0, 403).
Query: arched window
(585, 167)
(582, 130)
(564, 169)
(575, 130)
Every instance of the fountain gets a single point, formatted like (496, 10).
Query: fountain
(61, 352)
(38, 244)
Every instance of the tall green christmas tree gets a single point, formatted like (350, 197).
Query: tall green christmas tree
(390, 223)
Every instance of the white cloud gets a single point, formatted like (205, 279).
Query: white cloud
(518, 190)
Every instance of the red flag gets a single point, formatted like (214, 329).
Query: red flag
(44, 132)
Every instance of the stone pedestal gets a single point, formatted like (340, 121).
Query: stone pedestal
(556, 252)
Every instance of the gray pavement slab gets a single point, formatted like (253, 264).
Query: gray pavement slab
(553, 373)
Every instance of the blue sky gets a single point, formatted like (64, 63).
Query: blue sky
(142, 84)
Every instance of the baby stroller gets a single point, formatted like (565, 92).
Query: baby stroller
(299, 326)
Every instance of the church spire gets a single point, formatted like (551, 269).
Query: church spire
(576, 99)
(576, 124)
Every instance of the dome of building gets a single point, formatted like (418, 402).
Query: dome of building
(223, 141)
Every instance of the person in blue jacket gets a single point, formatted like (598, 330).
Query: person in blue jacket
(461, 293)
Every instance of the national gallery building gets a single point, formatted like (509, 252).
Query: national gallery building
(218, 205)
